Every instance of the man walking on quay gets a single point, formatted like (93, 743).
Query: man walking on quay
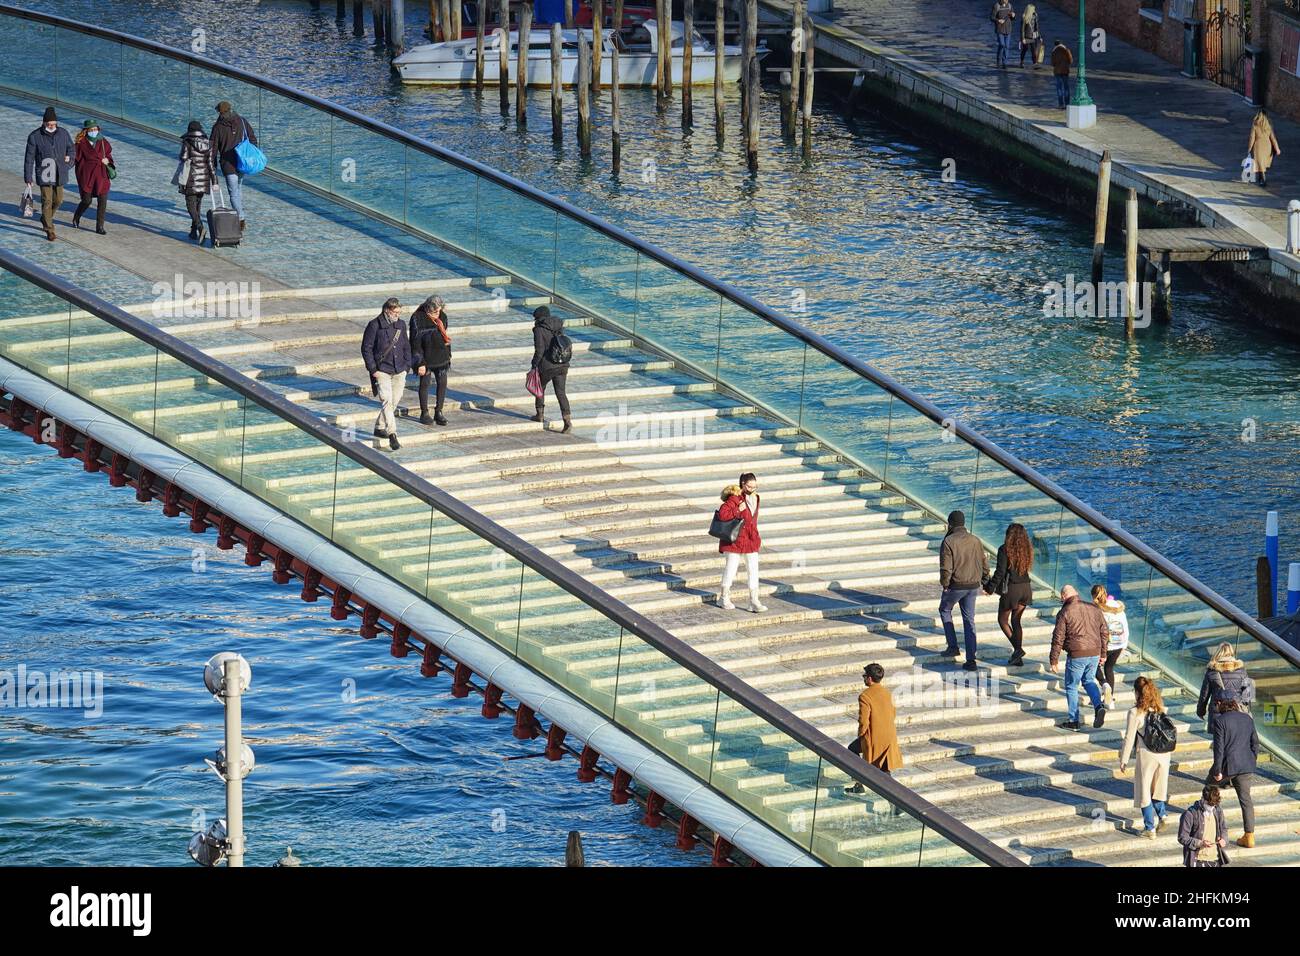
(1062, 60)
(1002, 15)
(1082, 631)
(1236, 750)
(877, 740)
(387, 354)
(963, 568)
(46, 163)
(229, 131)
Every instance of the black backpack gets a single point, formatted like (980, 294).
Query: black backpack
(1160, 735)
(560, 351)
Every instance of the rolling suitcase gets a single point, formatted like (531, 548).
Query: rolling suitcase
(223, 221)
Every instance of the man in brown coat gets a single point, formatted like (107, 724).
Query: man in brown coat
(877, 740)
(1062, 60)
(1082, 631)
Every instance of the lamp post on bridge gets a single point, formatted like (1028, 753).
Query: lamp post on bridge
(1082, 111)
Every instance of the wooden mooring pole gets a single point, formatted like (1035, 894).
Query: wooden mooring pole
(397, 26)
(1130, 261)
(521, 79)
(616, 137)
(503, 56)
(557, 85)
(1099, 217)
(341, 10)
(742, 7)
(1264, 587)
(358, 18)
(377, 20)
(808, 87)
(478, 58)
(597, 27)
(719, 117)
(688, 25)
(456, 20)
(573, 855)
(584, 95)
(666, 44)
(796, 66)
(444, 19)
(787, 107)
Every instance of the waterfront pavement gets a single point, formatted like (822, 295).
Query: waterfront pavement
(849, 564)
(1187, 134)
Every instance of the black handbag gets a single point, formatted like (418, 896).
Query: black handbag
(725, 531)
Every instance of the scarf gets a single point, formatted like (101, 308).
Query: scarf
(436, 319)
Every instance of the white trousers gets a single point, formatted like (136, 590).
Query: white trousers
(733, 565)
(391, 386)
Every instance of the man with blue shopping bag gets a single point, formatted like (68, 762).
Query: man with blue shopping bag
(235, 143)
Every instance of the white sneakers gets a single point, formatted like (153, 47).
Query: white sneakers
(724, 601)
(755, 605)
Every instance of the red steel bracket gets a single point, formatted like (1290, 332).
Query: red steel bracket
(67, 439)
(555, 743)
(432, 662)
(622, 779)
(311, 585)
(225, 533)
(399, 647)
(253, 550)
(587, 764)
(172, 500)
(654, 805)
(339, 604)
(199, 516)
(117, 470)
(686, 827)
(143, 486)
(90, 455)
(722, 852)
(369, 621)
(526, 727)
(283, 567)
(460, 680)
(492, 702)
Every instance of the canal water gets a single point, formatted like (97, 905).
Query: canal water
(1187, 436)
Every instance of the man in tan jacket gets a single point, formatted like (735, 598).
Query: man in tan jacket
(1081, 631)
(877, 740)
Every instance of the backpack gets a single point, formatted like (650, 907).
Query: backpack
(1160, 735)
(560, 351)
(1244, 693)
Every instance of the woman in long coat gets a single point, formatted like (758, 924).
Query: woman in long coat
(1151, 771)
(93, 160)
(1262, 146)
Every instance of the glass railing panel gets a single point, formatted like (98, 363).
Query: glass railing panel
(861, 828)
(290, 136)
(1001, 499)
(35, 328)
(156, 93)
(26, 51)
(1277, 695)
(367, 168)
(849, 411)
(679, 315)
(473, 580)
(659, 701)
(373, 520)
(929, 462)
(442, 199)
(565, 639)
(205, 421)
(764, 361)
(1181, 633)
(517, 233)
(597, 272)
(89, 74)
(208, 88)
(102, 361)
(766, 771)
(938, 850)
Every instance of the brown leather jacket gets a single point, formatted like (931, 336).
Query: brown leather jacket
(1081, 629)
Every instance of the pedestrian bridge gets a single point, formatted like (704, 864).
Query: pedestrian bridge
(579, 562)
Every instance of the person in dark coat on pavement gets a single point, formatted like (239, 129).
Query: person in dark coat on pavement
(197, 174)
(741, 500)
(431, 354)
(1201, 831)
(386, 351)
(46, 163)
(93, 161)
(546, 328)
(963, 572)
(229, 131)
(1236, 750)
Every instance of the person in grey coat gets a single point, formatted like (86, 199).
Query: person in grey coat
(1201, 831)
(1236, 750)
(46, 163)
(386, 350)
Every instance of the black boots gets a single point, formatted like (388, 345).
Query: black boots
(568, 424)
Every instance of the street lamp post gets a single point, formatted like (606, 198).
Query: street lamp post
(1082, 111)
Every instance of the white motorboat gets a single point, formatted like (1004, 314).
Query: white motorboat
(452, 63)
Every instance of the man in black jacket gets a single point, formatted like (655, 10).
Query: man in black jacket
(47, 161)
(1236, 749)
(229, 131)
(386, 351)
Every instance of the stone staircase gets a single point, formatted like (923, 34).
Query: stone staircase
(849, 566)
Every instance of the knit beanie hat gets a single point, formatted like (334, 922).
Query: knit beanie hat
(50, 115)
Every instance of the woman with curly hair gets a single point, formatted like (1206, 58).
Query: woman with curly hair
(741, 501)
(1011, 583)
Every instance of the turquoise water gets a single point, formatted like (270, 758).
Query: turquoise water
(938, 283)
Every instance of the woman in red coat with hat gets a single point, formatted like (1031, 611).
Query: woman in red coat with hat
(94, 158)
(741, 501)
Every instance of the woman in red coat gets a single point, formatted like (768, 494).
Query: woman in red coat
(93, 161)
(741, 501)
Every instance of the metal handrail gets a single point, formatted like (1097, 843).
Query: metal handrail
(1043, 484)
(723, 680)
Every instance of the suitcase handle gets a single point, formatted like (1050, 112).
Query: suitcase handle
(216, 194)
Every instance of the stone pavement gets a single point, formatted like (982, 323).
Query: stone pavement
(1190, 135)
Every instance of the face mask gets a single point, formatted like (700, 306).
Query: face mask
(51, 127)
(93, 136)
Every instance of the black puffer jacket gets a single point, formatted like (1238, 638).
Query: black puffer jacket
(196, 149)
(227, 133)
(427, 347)
(544, 332)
